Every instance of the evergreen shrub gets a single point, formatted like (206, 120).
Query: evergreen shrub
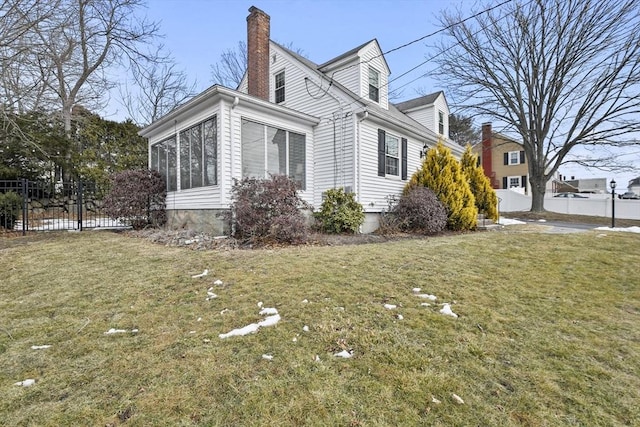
(10, 207)
(339, 213)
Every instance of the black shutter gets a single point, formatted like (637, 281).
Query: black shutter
(504, 183)
(523, 181)
(522, 157)
(404, 158)
(381, 152)
(506, 158)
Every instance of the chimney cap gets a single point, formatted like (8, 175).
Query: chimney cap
(254, 11)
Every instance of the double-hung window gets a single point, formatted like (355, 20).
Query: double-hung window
(514, 158)
(279, 85)
(392, 155)
(198, 155)
(374, 85)
(267, 150)
(440, 122)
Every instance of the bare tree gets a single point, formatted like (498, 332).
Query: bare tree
(559, 74)
(88, 37)
(230, 69)
(157, 89)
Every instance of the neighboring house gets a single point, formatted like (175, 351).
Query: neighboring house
(326, 126)
(634, 186)
(503, 160)
(588, 185)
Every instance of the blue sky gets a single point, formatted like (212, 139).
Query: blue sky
(198, 31)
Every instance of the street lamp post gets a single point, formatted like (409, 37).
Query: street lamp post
(613, 203)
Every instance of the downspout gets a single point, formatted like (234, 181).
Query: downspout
(232, 156)
(356, 159)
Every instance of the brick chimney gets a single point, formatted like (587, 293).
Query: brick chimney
(258, 33)
(487, 153)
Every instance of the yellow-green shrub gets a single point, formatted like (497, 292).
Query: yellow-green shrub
(486, 198)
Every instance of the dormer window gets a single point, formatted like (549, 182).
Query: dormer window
(374, 85)
(279, 94)
(440, 122)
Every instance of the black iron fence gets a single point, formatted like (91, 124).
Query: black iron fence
(35, 206)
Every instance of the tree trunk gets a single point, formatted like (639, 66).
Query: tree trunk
(538, 189)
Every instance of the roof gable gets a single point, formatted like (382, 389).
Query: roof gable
(422, 101)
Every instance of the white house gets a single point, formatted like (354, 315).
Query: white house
(326, 126)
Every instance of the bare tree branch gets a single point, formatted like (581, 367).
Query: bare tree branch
(560, 74)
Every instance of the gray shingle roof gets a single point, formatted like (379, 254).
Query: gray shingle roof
(418, 102)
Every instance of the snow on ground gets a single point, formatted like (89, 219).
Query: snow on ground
(113, 331)
(508, 221)
(204, 273)
(26, 383)
(626, 229)
(446, 310)
(40, 347)
(344, 354)
(253, 327)
(427, 296)
(390, 306)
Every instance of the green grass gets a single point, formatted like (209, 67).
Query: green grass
(548, 333)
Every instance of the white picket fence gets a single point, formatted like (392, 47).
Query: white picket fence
(594, 205)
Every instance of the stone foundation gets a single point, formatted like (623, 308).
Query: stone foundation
(202, 220)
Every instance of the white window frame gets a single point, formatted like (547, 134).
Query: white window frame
(441, 122)
(374, 73)
(280, 88)
(388, 156)
(511, 156)
(287, 160)
(518, 178)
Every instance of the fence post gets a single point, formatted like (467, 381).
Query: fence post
(79, 202)
(25, 208)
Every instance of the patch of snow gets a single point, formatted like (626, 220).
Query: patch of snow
(206, 340)
(204, 273)
(427, 296)
(508, 221)
(267, 357)
(224, 311)
(434, 400)
(634, 229)
(305, 301)
(338, 308)
(305, 328)
(416, 290)
(253, 327)
(400, 317)
(601, 235)
(246, 330)
(26, 383)
(40, 347)
(211, 295)
(199, 319)
(446, 310)
(390, 306)
(425, 304)
(270, 320)
(119, 331)
(192, 332)
(457, 398)
(218, 282)
(260, 304)
(344, 354)
(316, 359)
(295, 339)
(542, 220)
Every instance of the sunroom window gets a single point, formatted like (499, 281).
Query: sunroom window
(267, 150)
